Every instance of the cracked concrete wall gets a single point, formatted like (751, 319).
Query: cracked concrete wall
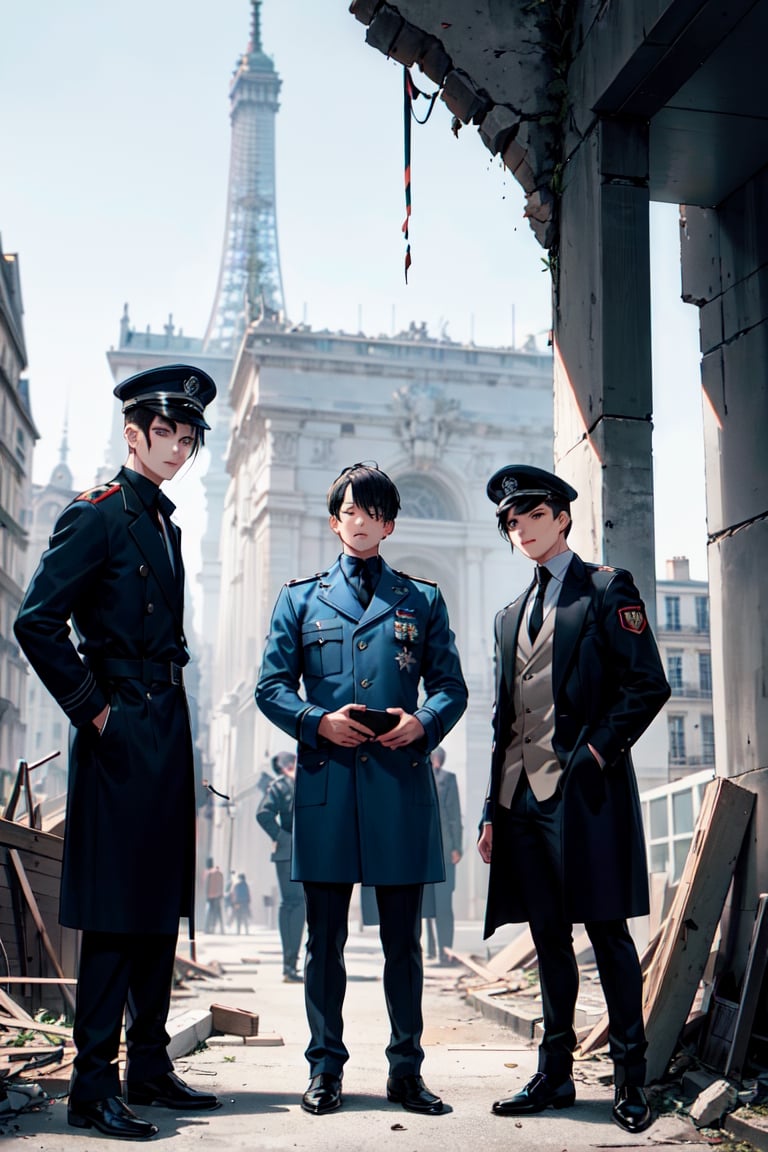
(725, 273)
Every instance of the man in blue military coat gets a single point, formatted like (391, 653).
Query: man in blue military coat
(578, 680)
(362, 636)
(113, 567)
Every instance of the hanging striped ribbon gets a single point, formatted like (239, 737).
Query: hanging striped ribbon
(411, 93)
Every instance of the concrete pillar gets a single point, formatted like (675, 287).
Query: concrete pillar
(602, 336)
(725, 272)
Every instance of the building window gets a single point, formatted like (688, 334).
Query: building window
(702, 614)
(422, 499)
(676, 728)
(673, 613)
(707, 739)
(705, 672)
(675, 671)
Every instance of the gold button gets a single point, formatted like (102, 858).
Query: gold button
(365, 683)
(362, 645)
(363, 759)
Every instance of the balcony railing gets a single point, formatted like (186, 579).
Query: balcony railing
(690, 691)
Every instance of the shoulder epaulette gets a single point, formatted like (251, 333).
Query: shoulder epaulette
(305, 579)
(417, 579)
(101, 492)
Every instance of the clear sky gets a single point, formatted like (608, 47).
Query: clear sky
(114, 134)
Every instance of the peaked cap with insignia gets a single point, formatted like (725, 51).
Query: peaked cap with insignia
(177, 391)
(516, 482)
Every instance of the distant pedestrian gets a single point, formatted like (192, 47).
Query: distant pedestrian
(241, 903)
(438, 898)
(213, 880)
(275, 815)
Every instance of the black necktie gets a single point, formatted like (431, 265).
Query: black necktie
(361, 581)
(536, 619)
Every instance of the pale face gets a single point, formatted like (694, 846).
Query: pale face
(538, 534)
(359, 532)
(162, 456)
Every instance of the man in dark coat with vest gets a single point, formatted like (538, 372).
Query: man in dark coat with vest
(275, 816)
(114, 568)
(362, 636)
(578, 680)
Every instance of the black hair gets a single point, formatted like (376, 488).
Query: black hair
(527, 504)
(142, 416)
(372, 490)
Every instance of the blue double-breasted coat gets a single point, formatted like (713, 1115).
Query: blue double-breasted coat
(367, 814)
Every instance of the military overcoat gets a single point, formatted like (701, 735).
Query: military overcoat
(130, 828)
(369, 813)
(608, 684)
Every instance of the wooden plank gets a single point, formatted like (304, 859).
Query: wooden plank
(35, 1026)
(38, 980)
(235, 1021)
(521, 951)
(473, 965)
(750, 991)
(687, 934)
(29, 896)
(14, 835)
(12, 1008)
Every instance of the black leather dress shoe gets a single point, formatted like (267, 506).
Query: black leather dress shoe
(413, 1094)
(323, 1094)
(539, 1093)
(630, 1109)
(169, 1091)
(111, 1117)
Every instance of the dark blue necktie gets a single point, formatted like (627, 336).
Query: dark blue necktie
(361, 581)
(543, 576)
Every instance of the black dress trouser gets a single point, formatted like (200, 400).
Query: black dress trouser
(325, 977)
(534, 832)
(121, 973)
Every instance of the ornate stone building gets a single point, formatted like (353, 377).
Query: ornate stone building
(439, 418)
(17, 441)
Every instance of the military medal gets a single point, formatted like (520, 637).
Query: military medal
(405, 660)
(406, 631)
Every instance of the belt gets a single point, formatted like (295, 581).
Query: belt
(148, 671)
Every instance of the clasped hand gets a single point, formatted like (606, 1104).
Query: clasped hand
(339, 728)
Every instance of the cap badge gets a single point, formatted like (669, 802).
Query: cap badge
(191, 385)
(509, 485)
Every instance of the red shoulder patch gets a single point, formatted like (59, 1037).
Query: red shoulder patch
(633, 619)
(96, 495)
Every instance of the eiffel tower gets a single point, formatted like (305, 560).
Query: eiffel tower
(250, 282)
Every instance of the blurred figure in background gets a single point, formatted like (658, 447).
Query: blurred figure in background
(275, 815)
(438, 898)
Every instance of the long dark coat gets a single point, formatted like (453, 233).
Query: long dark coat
(608, 684)
(130, 830)
(368, 813)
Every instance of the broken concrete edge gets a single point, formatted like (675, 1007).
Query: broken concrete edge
(187, 1030)
(745, 1124)
(498, 124)
(518, 1019)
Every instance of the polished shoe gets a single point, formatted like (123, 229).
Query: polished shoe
(291, 976)
(413, 1094)
(539, 1093)
(631, 1110)
(169, 1091)
(323, 1094)
(111, 1117)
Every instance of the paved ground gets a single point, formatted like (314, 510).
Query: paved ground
(470, 1061)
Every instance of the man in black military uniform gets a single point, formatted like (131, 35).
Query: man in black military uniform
(578, 680)
(113, 567)
(275, 816)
